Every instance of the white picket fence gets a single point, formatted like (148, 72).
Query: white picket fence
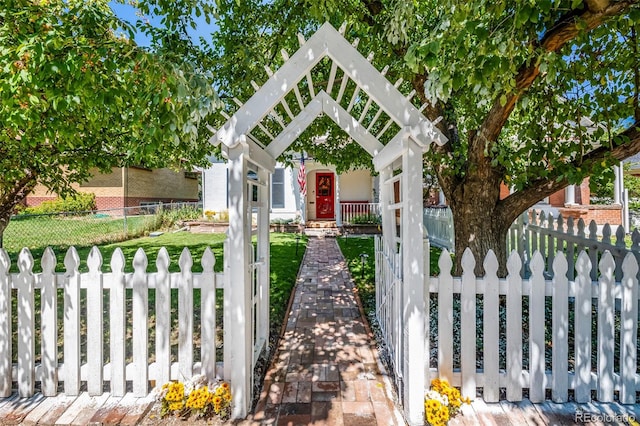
(439, 224)
(573, 334)
(536, 230)
(72, 319)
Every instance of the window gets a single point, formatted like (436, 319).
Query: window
(277, 189)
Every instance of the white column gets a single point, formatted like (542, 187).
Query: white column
(570, 195)
(263, 257)
(617, 184)
(413, 284)
(338, 209)
(239, 297)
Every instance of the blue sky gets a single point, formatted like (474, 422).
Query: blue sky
(128, 13)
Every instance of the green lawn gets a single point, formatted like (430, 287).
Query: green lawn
(285, 263)
(38, 232)
(352, 248)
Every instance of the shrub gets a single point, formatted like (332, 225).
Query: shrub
(365, 219)
(81, 202)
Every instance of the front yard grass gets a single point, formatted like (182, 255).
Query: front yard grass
(285, 264)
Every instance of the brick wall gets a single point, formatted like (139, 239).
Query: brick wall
(601, 214)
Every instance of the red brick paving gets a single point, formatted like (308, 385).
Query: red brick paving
(325, 371)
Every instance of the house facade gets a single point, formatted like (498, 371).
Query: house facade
(330, 196)
(131, 187)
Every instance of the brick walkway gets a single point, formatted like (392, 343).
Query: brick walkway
(325, 369)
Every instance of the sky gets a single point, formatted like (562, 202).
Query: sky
(127, 13)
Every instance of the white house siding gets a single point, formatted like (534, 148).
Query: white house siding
(355, 185)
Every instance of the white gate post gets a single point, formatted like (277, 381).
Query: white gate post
(263, 257)
(239, 296)
(338, 207)
(413, 285)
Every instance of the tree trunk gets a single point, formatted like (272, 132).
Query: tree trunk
(12, 195)
(479, 228)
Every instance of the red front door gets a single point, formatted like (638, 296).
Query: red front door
(324, 196)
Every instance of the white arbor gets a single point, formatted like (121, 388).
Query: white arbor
(376, 115)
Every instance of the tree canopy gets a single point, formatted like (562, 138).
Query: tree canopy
(535, 95)
(78, 94)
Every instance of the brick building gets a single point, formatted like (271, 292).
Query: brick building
(132, 186)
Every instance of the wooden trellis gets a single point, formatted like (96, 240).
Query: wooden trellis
(377, 116)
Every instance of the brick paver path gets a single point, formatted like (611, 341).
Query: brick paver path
(325, 370)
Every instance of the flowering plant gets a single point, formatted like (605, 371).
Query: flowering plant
(196, 397)
(442, 403)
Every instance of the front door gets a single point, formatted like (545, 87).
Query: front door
(324, 196)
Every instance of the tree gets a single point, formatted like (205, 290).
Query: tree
(77, 94)
(533, 94)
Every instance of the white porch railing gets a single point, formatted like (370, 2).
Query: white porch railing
(354, 213)
(485, 339)
(73, 317)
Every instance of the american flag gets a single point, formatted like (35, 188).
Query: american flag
(302, 178)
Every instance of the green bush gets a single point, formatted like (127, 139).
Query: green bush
(81, 202)
(365, 219)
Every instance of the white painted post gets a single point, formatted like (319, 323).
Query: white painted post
(582, 329)
(338, 208)
(140, 308)
(560, 333)
(49, 324)
(491, 391)
(263, 257)
(208, 314)
(117, 326)
(413, 285)
(163, 318)
(239, 294)
(5, 325)
(26, 325)
(468, 326)
(95, 323)
(426, 250)
(606, 312)
(617, 184)
(445, 317)
(514, 328)
(570, 195)
(185, 316)
(72, 323)
(628, 333)
(536, 329)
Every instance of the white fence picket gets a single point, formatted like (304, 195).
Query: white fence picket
(163, 317)
(628, 330)
(49, 324)
(491, 328)
(560, 331)
(5, 325)
(117, 324)
(185, 316)
(84, 338)
(582, 330)
(208, 314)
(606, 349)
(72, 323)
(445, 317)
(140, 307)
(95, 323)
(468, 326)
(536, 330)
(26, 325)
(514, 328)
